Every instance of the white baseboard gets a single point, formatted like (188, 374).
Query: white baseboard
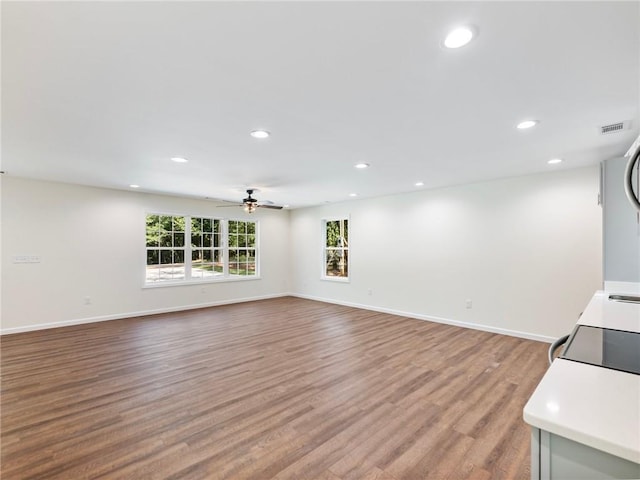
(429, 318)
(447, 321)
(119, 316)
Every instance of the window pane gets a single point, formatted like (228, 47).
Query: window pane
(251, 227)
(166, 257)
(196, 240)
(332, 233)
(178, 239)
(196, 225)
(153, 274)
(242, 240)
(345, 270)
(251, 264)
(178, 256)
(251, 240)
(206, 240)
(166, 223)
(166, 241)
(153, 228)
(153, 257)
(206, 225)
(216, 239)
(233, 226)
(178, 224)
(233, 241)
(152, 220)
(218, 264)
(346, 229)
(216, 226)
(233, 255)
(207, 256)
(336, 262)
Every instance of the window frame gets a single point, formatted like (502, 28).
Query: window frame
(188, 250)
(325, 248)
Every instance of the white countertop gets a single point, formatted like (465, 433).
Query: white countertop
(602, 312)
(595, 406)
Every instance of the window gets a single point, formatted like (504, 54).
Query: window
(218, 249)
(336, 249)
(165, 248)
(242, 247)
(207, 256)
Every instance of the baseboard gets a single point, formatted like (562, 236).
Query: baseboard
(119, 316)
(429, 318)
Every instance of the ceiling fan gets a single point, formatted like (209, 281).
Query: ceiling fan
(250, 204)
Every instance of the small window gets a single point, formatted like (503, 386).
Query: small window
(336, 249)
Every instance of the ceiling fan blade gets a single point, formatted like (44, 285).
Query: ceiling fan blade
(232, 205)
(275, 207)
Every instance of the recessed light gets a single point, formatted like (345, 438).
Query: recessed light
(527, 124)
(260, 134)
(554, 161)
(419, 184)
(133, 185)
(179, 159)
(459, 37)
(361, 165)
(353, 194)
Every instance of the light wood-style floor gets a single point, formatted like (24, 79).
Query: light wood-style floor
(283, 388)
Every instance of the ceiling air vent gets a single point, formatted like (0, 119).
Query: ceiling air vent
(614, 127)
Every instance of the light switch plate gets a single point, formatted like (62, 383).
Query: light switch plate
(26, 259)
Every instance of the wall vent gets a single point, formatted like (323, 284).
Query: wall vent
(613, 128)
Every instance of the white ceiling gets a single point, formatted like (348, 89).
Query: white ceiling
(104, 93)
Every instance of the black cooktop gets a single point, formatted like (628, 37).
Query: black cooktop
(604, 347)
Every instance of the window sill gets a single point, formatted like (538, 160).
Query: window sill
(336, 279)
(208, 281)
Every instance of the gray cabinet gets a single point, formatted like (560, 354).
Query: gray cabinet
(557, 458)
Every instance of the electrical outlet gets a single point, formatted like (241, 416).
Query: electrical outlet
(469, 303)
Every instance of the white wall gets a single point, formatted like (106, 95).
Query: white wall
(525, 250)
(91, 242)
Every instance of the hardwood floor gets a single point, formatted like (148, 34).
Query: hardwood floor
(284, 388)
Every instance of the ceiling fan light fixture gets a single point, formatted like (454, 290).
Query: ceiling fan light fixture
(419, 184)
(554, 161)
(179, 159)
(260, 134)
(362, 166)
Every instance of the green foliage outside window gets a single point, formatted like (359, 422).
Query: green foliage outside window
(167, 248)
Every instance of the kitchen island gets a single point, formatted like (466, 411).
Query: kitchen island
(585, 418)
